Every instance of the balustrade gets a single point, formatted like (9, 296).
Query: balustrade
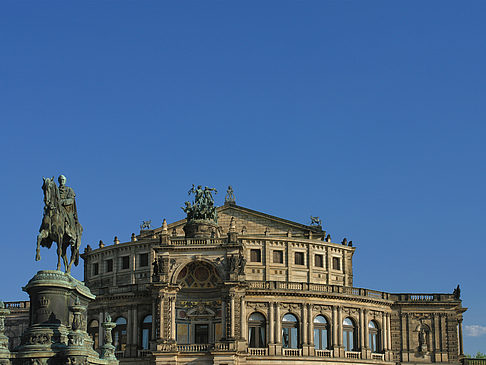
(327, 288)
(352, 354)
(324, 353)
(378, 357)
(258, 352)
(194, 348)
(292, 352)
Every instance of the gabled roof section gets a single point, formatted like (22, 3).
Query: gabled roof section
(251, 222)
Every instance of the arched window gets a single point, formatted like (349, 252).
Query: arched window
(321, 333)
(93, 332)
(374, 334)
(120, 334)
(146, 331)
(349, 335)
(290, 331)
(256, 330)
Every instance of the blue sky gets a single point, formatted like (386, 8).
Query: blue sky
(370, 115)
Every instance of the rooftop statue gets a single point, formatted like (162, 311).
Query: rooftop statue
(203, 207)
(60, 222)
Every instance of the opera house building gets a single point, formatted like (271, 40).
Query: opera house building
(245, 287)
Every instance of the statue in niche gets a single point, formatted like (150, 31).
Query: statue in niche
(60, 222)
(422, 330)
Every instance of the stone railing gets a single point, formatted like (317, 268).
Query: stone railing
(17, 305)
(323, 353)
(470, 361)
(194, 348)
(224, 346)
(326, 288)
(352, 354)
(195, 241)
(323, 288)
(258, 351)
(376, 356)
(292, 352)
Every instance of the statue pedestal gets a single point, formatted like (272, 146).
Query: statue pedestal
(200, 229)
(57, 333)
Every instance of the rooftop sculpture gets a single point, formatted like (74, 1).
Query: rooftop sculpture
(203, 207)
(60, 222)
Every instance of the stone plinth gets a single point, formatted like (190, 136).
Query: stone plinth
(200, 229)
(58, 323)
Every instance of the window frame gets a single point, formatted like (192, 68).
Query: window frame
(321, 328)
(278, 252)
(125, 260)
(258, 253)
(301, 255)
(292, 328)
(259, 329)
(321, 258)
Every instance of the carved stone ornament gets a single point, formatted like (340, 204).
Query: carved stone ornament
(39, 339)
(258, 306)
(290, 306)
(322, 308)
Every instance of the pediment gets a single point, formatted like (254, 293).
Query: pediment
(251, 222)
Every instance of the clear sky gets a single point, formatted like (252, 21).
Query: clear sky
(369, 114)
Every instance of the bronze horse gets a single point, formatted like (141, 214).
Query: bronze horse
(54, 228)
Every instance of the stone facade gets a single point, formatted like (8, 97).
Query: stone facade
(261, 290)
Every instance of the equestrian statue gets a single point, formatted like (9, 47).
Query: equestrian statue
(60, 223)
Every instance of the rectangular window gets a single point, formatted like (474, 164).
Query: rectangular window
(319, 261)
(336, 263)
(125, 262)
(255, 255)
(109, 265)
(299, 258)
(96, 268)
(278, 257)
(143, 259)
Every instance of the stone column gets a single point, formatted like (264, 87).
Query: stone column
(366, 330)
(334, 328)
(310, 327)
(132, 271)
(101, 319)
(361, 330)
(173, 318)
(461, 350)
(278, 330)
(223, 318)
(405, 348)
(232, 319)
(162, 315)
(154, 317)
(388, 327)
(135, 327)
(340, 325)
(271, 323)
(310, 330)
(362, 334)
(304, 324)
(384, 330)
(243, 334)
